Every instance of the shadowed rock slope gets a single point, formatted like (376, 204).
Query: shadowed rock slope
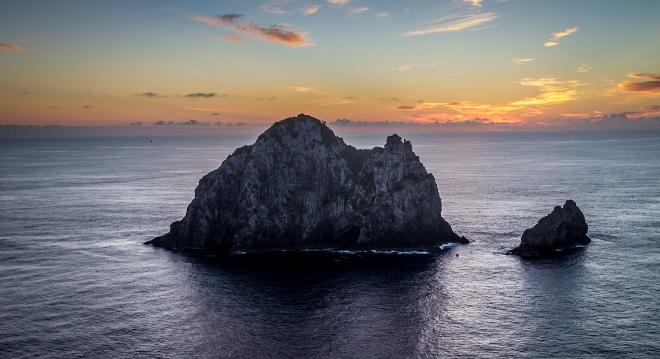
(299, 186)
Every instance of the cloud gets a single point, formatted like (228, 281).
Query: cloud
(523, 61)
(136, 124)
(283, 34)
(149, 94)
(652, 111)
(347, 122)
(430, 122)
(87, 107)
(582, 115)
(204, 95)
(300, 88)
(474, 3)
(554, 40)
(441, 121)
(455, 23)
(619, 121)
(408, 67)
(383, 15)
(644, 75)
(310, 10)
(560, 34)
(359, 10)
(190, 122)
(273, 8)
(652, 85)
(583, 68)
(338, 2)
(421, 105)
(11, 47)
(393, 99)
(551, 91)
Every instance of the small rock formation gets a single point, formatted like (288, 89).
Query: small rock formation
(564, 228)
(299, 186)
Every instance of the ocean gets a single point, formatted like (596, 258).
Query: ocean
(76, 280)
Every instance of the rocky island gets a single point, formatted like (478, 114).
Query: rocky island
(299, 186)
(562, 229)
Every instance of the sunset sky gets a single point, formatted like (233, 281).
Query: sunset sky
(540, 63)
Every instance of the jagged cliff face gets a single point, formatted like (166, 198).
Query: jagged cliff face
(299, 186)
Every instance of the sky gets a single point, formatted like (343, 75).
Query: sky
(515, 63)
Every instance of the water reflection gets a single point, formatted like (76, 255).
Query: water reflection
(555, 293)
(315, 304)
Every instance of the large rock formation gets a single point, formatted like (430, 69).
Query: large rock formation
(299, 186)
(564, 228)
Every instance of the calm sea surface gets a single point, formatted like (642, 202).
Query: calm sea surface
(76, 280)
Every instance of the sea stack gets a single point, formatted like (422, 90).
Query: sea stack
(562, 229)
(299, 186)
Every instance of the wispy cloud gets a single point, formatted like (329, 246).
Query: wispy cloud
(651, 85)
(190, 122)
(283, 34)
(440, 122)
(11, 47)
(554, 40)
(310, 10)
(338, 2)
(474, 3)
(359, 10)
(408, 67)
(403, 67)
(551, 91)
(149, 94)
(455, 23)
(421, 105)
(204, 95)
(523, 61)
(652, 111)
(583, 68)
(393, 99)
(582, 115)
(273, 8)
(560, 34)
(300, 88)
